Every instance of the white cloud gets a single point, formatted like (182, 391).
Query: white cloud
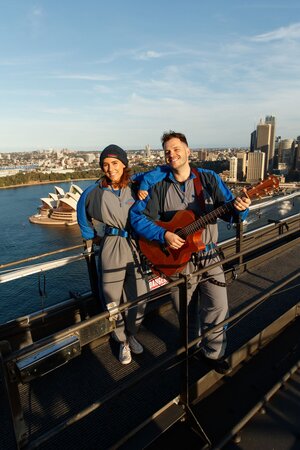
(149, 54)
(57, 111)
(102, 89)
(289, 32)
(86, 77)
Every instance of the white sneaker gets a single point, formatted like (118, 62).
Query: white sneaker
(125, 354)
(135, 346)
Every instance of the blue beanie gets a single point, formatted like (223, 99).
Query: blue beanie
(113, 151)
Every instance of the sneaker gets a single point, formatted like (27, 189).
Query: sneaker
(135, 346)
(218, 365)
(125, 354)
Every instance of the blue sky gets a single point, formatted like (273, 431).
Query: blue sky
(84, 74)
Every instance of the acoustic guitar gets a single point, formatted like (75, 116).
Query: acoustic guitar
(163, 260)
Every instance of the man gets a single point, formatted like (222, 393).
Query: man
(177, 188)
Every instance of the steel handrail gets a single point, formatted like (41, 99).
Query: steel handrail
(25, 271)
(43, 255)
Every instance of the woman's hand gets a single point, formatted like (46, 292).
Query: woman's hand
(142, 194)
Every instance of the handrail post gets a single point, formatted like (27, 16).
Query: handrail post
(239, 239)
(184, 331)
(92, 267)
(184, 324)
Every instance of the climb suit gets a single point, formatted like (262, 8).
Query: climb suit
(207, 301)
(120, 275)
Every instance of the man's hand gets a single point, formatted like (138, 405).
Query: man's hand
(142, 194)
(242, 203)
(173, 240)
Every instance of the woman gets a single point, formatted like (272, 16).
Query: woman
(120, 275)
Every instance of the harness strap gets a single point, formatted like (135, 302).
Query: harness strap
(212, 280)
(112, 231)
(200, 195)
(210, 246)
(198, 189)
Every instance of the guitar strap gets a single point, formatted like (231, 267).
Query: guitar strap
(200, 196)
(198, 189)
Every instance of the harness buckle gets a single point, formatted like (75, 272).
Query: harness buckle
(112, 231)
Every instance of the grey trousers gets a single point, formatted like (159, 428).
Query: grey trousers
(207, 305)
(121, 285)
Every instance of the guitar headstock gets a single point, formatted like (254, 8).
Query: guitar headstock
(266, 187)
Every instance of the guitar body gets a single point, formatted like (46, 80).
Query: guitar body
(166, 260)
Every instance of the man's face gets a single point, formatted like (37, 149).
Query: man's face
(176, 153)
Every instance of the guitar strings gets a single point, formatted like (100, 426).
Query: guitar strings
(205, 220)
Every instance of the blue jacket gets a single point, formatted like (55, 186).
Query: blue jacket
(164, 200)
(91, 206)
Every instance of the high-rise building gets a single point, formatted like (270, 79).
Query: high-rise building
(256, 165)
(286, 155)
(297, 157)
(233, 169)
(270, 163)
(253, 141)
(241, 165)
(263, 139)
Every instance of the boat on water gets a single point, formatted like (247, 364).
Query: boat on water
(59, 208)
(62, 386)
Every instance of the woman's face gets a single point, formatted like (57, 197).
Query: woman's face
(113, 169)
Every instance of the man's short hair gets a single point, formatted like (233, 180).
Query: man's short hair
(173, 134)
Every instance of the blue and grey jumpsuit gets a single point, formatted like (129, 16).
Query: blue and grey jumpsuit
(120, 275)
(166, 197)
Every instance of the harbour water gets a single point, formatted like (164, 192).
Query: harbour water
(21, 239)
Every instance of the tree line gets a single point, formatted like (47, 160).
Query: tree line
(39, 177)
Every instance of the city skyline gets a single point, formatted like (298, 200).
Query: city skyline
(82, 75)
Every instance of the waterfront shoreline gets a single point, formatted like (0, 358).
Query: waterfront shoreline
(35, 183)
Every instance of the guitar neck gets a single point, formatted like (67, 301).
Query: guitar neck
(264, 187)
(207, 219)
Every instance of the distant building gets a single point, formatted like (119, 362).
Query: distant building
(253, 141)
(256, 165)
(147, 151)
(233, 169)
(286, 155)
(297, 154)
(270, 163)
(89, 157)
(263, 139)
(241, 166)
(202, 155)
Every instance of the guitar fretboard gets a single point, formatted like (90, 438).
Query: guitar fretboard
(205, 220)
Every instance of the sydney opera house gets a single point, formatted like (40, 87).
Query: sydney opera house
(59, 208)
